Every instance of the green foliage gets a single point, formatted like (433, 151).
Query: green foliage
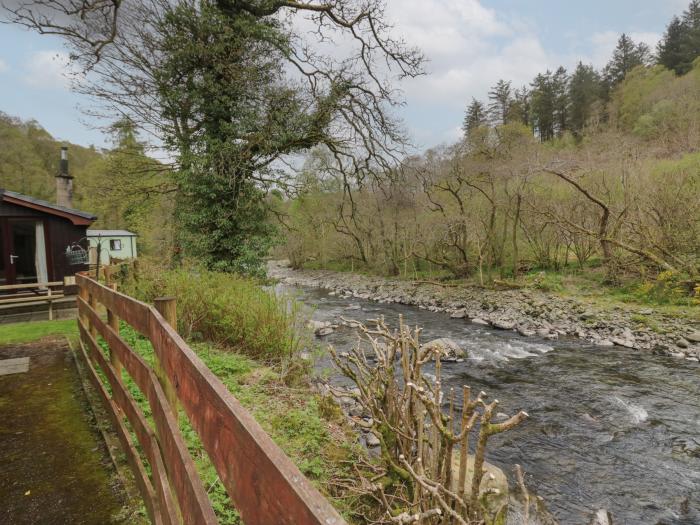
(585, 90)
(242, 115)
(291, 417)
(668, 288)
(28, 332)
(225, 309)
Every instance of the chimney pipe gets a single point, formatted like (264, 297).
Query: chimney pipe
(64, 182)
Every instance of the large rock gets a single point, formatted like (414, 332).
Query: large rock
(694, 337)
(622, 341)
(503, 324)
(447, 347)
(494, 478)
(601, 517)
(459, 314)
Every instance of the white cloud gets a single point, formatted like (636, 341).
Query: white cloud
(469, 47)
(49, 70)
(3, 66)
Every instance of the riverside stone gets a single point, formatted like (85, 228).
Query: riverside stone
(447, 347)
(529, 309)
(693, 337)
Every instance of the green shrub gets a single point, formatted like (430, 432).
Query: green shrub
(225, 309)
(669, 287)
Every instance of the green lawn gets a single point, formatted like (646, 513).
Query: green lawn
(34, 330)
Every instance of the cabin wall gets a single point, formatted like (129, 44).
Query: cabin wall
(60, 233)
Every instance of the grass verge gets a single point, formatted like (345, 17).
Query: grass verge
(313, 437)
(29, 331)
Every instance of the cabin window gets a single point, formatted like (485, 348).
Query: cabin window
(115, 244)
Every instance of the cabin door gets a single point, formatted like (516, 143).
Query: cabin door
(23, 247)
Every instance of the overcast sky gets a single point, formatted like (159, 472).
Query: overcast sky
(470, 44)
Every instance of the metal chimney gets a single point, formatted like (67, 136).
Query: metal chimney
(64, 182)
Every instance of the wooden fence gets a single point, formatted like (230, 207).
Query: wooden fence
(31, 294)
(263, 483)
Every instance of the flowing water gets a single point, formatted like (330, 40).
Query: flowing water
(609, 427)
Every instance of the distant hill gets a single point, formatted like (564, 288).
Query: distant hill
(29, 158)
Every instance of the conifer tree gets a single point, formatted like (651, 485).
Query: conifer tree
(560, 87)
(501, 97)
(584, 92)
(626, 57)
(690, 39)
(475, 117)
(542, 106)
(670, 48)
(520, 106)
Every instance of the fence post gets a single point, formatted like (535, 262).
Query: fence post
(113, 322)
(82, 293)
(167, 306)
(93, 304)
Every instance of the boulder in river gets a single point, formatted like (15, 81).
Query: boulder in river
(682, 343)
(480, 321)
(447, 347)
(503, 324)
(459, 314)
(601, 517)
(693, 337)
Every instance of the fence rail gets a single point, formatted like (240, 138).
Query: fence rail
(263, 483)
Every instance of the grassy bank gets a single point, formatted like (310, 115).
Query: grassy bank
(299, 422)
(16, 333)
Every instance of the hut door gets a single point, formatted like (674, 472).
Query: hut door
(4, 253)
(24, 251)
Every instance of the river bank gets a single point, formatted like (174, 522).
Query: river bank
(529, 312)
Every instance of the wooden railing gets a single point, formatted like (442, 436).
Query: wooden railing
(262, 482)
(29, 294)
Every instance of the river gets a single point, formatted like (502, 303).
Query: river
(609, 427)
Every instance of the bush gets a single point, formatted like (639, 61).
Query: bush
(669, 287)
(228, 310)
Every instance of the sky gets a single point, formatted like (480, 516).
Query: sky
(469, 44)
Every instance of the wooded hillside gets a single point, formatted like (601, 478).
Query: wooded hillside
(122, 186)
(595, 169)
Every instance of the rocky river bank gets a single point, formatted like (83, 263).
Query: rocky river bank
(527, 311)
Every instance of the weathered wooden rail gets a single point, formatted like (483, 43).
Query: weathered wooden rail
(30, 294)
(263, 483)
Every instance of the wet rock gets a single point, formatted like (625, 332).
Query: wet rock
(459, 314)
(503, 324)
(525, 332)
(682, 343)
(317, 325)
(601, 517)
(447, 347)
(604, 342)
(480, 321)
(322, 332)
(693, 337)
(621, 341)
